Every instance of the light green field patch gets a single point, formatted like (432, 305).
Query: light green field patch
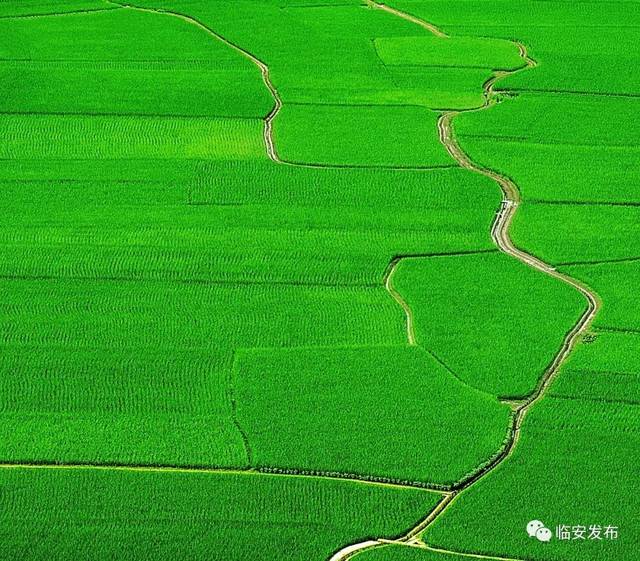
(162, 516)
(393, 136)
(451, 51)
(439, 87)
(97, 137)
(385, 412)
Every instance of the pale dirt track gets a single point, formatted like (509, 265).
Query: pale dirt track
(500, 235)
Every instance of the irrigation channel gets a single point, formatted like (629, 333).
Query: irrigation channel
(501, 238)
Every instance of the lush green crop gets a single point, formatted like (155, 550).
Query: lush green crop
(464, 52)
(360, 136)
(617, 285)
(496, 342)
(557, 172)
(18, 8)
(330, 410)
(575, 464)
(40, 136)
(576, 121)
(604, 369)
(172, 296)
(105, 514)
(582, 233)
(405, 553)
(124, 61)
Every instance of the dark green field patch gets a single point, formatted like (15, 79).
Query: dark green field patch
(324, 410)
(391, 136)
(471, 312)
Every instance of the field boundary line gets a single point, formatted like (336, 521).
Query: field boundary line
(500, 236)
(262, 67)
(59, 14)
(611, 261)
(290, 473)
(244, 436)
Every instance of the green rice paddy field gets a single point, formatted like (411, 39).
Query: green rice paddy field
(253, 308)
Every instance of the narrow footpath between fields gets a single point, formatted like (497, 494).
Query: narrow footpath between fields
(500, 235)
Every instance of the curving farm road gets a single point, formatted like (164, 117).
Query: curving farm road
(501, 237)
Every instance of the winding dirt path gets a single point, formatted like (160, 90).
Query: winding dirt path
(501, 237)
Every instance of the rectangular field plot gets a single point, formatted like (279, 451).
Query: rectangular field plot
(438, 87)
(554, 172)
(391, 136)
(137, 372)
(607, 369)
(451, 51)
(124, 61)
(579, 233)
(568, 120)
(247, 222)
(102, 515)
(575, 464)
(325, 410)
(136, 137)
(102, 405)
(494, 341)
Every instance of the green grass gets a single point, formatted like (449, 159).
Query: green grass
(454, 51)
(325, 410)
(360, 136)
(123, 61)
(607, 369)
(104, 515)
(496, 343)
(574, 465)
